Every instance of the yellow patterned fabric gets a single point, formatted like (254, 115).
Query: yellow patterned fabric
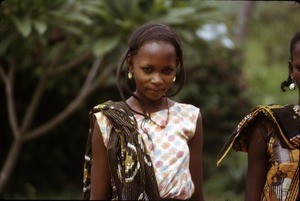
(283, 175)
(282, 183)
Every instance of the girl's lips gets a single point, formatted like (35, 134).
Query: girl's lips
(156, 90)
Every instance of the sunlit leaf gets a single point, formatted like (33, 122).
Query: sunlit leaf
(104, 45)
(77, 17)
(23, 25)
(40, 26)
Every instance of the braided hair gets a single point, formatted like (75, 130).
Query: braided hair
(145, 34)
(293, 43)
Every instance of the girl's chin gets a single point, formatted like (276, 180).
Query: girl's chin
(154, 98)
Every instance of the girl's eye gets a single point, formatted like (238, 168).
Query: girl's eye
(297, 65)
(147, 69)
(168, 70)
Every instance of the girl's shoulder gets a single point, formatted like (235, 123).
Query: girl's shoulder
(185, 107)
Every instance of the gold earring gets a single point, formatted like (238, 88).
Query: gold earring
(174, 78)
(129, 75)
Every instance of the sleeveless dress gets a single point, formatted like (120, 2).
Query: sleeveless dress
(168, 147)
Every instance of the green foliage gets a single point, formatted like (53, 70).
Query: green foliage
(47, 35)
(217, 86)
(267, 52)
(105, 45)
(35, 34)
(37, 30)
(264, 68)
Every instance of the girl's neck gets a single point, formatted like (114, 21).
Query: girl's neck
(148, 106)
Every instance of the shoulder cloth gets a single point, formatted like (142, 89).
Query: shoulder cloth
(283, 118)
(132, 174)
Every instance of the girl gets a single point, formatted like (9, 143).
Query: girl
(160, 158)
(271, 136)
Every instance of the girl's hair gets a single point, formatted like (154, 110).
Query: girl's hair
(293, 43)
(145, 34)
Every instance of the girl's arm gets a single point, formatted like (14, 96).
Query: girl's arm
(195, 146)
(257, 163)
(100, 174)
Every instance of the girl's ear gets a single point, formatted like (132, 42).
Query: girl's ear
(177, 61)
(129, 62)
(290, 67)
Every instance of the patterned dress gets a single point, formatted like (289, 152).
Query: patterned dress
(282, 174)
(282, 182)
(167, 147)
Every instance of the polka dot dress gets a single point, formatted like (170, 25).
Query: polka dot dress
(167, 147)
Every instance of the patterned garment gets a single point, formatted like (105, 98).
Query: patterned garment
(131, 168)
(283, 173)
(282, 182)
(167, 147)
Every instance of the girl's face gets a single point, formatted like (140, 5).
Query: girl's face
(154, 68)
(295, 65)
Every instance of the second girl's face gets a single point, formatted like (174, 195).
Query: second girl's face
(154, 68)
(295, 70)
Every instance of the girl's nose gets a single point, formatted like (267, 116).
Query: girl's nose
(156, 79)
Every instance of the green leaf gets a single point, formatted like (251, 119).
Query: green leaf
(78, 18)
(73, 30)
(105, 45)
(182, 11)
(23, 25)
(40, 26)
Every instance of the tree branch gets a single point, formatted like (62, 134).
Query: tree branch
(35, 101)
(11, 106)
(70, 108)
(69, 66)
(101, 80)
(2, 74)
(12, 158)
(92, 74)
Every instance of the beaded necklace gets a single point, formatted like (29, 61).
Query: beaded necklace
(164, 123)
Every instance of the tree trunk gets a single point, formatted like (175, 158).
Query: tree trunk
(21, 136)
(243, 17)
(10, 163)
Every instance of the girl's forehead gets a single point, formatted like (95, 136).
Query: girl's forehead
(157, 45)
(297, 49)
(297, 45)
(160, 42)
